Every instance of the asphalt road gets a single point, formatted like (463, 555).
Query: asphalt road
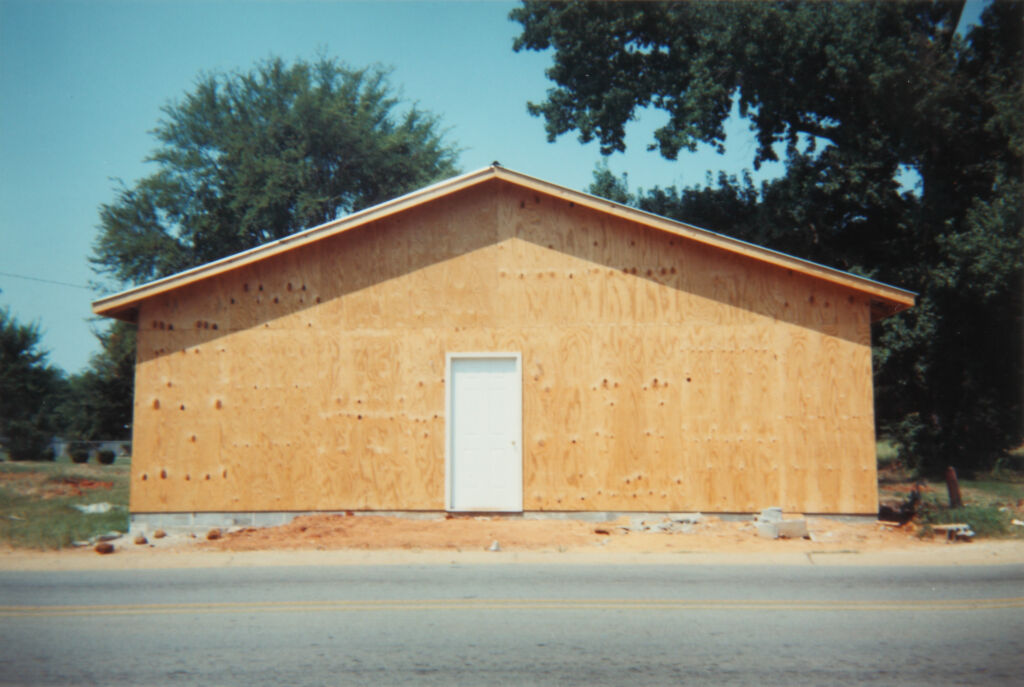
(515, 625)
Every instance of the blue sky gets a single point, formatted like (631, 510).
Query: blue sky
(82, 84)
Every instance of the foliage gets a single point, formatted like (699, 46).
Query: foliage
(29, 389)
(79, 453)
(246, 158)
(98, 404)
(853, 97)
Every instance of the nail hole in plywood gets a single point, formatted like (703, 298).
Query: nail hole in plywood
(224, 473)
(275, 299)
(156, 404)
(170, 327)
(289, 286)
(193, 438)
(144, 477)
(218, 405)
(245, 287)
(261, 287)
(207, 477)
(163, 474)
(183, 406)
(188, 478)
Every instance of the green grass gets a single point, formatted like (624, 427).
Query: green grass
(986, 521)
(992, 491)
(36, 503)
(990, 505)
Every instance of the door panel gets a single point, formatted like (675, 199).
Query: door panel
(485, 465)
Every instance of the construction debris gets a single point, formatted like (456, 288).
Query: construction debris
(771, 525)
(904, 511)
(104, 547)
(93, 508)
(959, 531)
(495, 546)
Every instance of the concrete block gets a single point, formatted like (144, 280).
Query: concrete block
(773, 514)
(792, 529)
(768, 530)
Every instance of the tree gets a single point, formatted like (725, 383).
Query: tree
(852, 96)
(247, 158)
(98, 401)
(29, 390)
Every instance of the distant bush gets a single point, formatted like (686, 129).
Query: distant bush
(105, 457)
(26, 443)
(79, 454)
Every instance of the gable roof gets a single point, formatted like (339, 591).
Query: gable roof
(885, 300)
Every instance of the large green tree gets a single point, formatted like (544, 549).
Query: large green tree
(30, 389)
(853, 97)
(245, 158)
(249, 157)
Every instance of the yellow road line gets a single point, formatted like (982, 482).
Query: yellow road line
(511, 604)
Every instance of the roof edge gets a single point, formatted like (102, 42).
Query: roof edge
(886, 299)
(115, 305)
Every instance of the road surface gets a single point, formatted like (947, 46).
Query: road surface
(515, 625)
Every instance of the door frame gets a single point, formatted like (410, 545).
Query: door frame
(449, 356)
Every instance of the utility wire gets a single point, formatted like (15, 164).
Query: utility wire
(45, 281)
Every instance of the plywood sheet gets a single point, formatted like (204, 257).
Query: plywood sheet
(657, 374)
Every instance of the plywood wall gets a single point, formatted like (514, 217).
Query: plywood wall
(658, 374)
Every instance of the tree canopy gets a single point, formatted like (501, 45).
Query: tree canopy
(247, 158)
(29, 391)
(855, 98)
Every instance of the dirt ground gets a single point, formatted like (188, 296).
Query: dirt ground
(39, 484)
(627, 534)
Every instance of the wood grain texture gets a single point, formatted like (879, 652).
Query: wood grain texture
(659, 374)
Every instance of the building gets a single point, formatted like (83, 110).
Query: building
(495, 342)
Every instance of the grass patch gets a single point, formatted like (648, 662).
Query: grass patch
(992, 492)
(37, 499)
(991, 506)
(986, 521)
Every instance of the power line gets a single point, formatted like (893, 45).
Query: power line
(45, 281)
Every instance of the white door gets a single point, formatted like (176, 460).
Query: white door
(484, 443)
